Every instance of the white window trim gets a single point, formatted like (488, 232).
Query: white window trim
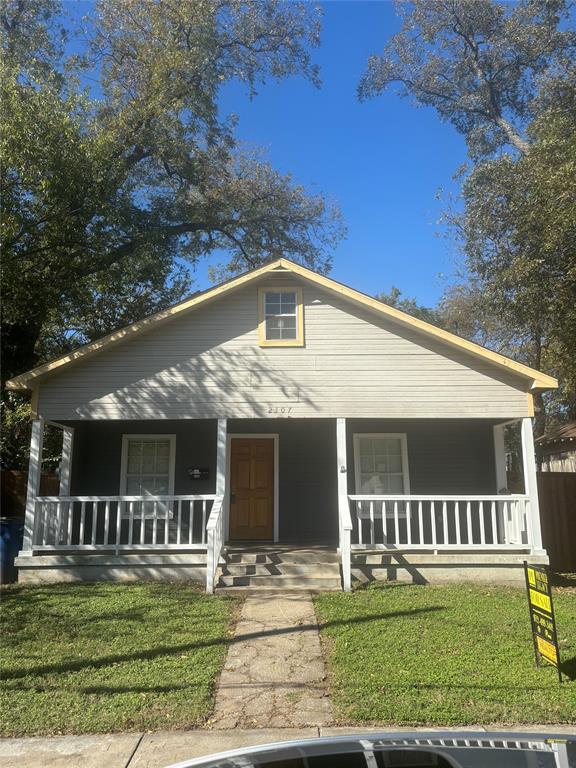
(403, 450)
(268, 435)
(124, 461)
(262, 340)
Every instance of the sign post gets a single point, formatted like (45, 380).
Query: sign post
(542, 615)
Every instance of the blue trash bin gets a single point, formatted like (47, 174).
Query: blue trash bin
(11, 536)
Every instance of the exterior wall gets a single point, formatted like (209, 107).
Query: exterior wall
(307, 483)
(444, 456)
(207, 364)
(98, 450)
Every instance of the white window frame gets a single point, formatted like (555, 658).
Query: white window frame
(265, 342)
(403, 450)
(171, 468)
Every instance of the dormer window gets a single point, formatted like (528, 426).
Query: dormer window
(281, 319)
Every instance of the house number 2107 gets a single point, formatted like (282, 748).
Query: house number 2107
(279, 410)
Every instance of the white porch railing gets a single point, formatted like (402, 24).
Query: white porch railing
(440, 522)
(86, 523)
(215, 532)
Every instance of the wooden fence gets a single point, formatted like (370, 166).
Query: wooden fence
(557, 495)
(14, 483)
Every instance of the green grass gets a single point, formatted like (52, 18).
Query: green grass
(92, 658)
(444, 655)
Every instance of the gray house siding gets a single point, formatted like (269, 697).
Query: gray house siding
(207, 364)
(445, 456)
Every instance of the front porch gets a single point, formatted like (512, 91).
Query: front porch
(446, 513)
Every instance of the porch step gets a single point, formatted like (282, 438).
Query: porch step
(280, 567)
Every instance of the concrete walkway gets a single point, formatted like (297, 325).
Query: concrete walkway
(274, 675)
(158, 750)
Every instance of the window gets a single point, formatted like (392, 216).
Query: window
(381, 464)
(280, 317)
(147, 469)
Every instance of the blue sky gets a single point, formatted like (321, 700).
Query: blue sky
(382, 161)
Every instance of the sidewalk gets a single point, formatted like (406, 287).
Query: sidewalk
(157, 750)
(274, 675)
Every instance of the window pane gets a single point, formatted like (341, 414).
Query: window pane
(381, 468)
(272, 308)
(273, 298)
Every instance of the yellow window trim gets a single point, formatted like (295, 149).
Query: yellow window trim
(262, 340)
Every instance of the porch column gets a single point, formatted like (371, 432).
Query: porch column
(66, 463)
(500, 458)
(221, 441)
(344, 526)
(33, 488)
(531, 484)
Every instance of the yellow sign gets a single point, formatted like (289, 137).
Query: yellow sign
(542, 620)
(540, 601)
(548, 650)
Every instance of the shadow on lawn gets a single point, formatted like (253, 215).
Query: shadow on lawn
(170, 650)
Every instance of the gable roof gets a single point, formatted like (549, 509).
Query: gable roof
(29, 380)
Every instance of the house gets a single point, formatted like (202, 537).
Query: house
(281, 428)
(556, 450)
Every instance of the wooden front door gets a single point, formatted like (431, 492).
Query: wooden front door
(251, 488)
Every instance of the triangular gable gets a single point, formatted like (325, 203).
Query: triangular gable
(30, 379)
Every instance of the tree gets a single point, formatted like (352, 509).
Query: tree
(394, 298)
(109, 197)
(504, 76)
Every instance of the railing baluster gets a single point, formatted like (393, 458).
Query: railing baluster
(106, 522)
(82, 520)
(420, 523)
(142, 523)
(482, 522)
(203, 521)
(45, 513)
(166, 523)
(372, 539)
(154, 522)
(359, 518)
(94, 521)
(408, 523)
(457, 521)
(396, 526)
(58, 521)
(469, 523)
(118, 524)
(445, 538)
(433, 521)
(384, 522)
(493, 518)
(178, 520)
(130, 522)
(190, 521)
(69, 512)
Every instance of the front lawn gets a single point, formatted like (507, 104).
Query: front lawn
(443, 655)
(89, 658)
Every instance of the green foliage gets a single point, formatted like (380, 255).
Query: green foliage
(504, 76)
(476, 62)
(93, 658)
(395, 299)
(117, 196)
(411, 655)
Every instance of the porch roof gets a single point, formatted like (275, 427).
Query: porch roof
(29, 380)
